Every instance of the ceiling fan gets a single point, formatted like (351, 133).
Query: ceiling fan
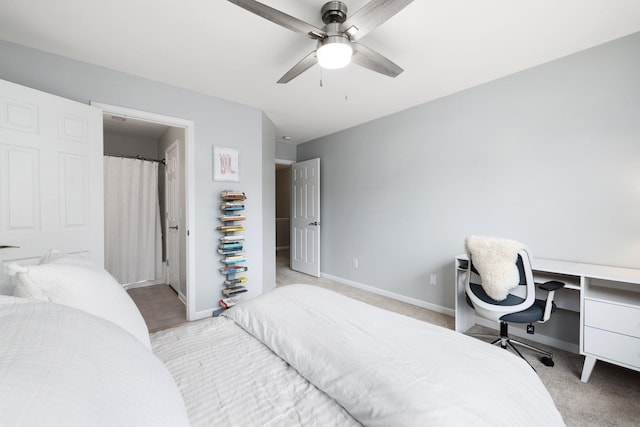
(337, 39)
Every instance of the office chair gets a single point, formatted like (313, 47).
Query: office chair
(506, 265)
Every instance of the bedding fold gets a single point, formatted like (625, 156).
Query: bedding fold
(386, 369)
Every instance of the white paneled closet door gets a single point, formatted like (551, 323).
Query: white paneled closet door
(51, 178)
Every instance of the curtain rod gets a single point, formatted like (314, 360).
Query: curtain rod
(135, 157)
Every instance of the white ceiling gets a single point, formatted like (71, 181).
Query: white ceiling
(215, 47)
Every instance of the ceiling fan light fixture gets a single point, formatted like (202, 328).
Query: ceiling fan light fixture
(334, 52)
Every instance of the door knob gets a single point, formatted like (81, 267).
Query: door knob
(174, 227)
(315, 223)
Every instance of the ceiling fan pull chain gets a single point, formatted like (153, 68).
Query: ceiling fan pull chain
(321, 85)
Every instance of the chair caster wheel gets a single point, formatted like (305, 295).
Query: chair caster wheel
(547, 361)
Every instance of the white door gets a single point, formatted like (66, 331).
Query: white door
(51, 178)
(305, 217)
(172, 215)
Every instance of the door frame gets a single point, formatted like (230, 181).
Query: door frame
(189, 165)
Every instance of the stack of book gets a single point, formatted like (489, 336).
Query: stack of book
(228, 247)
(235, 282)
(234, 290)
(233, 259)
(228, 302)
(233, 269)
(232, 206)
(230, 228)
(229, 239)
(231, 247)
(228, 218)
(233, 195)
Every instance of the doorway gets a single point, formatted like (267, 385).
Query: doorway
(138, 134)
(283, 217)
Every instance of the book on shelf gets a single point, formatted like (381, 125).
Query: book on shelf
(228, 302)
(233, 269)
(236, 281)
(230, 228)
(232, 206)
(231, 251)
(231, 245)
(233, 195)
(231, 238)
(229, 292)
(231, 261)
(227, 218)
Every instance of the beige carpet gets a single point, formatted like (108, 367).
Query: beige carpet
(610, 398)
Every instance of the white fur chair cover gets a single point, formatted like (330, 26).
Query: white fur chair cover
(495, 259)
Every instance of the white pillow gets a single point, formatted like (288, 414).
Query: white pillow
(78, 283)
(64, 367)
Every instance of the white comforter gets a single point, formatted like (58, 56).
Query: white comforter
(228, 378)
(386, 369)
(63, 367)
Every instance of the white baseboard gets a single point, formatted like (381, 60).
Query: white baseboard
(144, 284)
(392, 295)
(202, 314)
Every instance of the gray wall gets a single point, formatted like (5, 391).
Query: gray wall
(285, 151)
(549, 156)
(131, 146)
(217, 122)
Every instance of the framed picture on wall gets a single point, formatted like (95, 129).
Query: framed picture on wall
(226, 164)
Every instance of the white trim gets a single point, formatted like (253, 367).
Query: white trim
(203, 314)
(190, 144)
(392, 295)
(144, 284)
(284, 162)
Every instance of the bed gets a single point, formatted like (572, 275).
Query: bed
(297, 356)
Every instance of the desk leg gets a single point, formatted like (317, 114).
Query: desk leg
(587, 368)
(465, 315)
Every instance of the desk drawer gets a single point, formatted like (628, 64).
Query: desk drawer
(612, 317)
(615, 347)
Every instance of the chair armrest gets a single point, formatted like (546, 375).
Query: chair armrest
(552, 285)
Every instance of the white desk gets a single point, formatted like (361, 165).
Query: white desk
(609, 308)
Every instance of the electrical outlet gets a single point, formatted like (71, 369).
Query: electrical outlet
(433, 280)
(355, 263)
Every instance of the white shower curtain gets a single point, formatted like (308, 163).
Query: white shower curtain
(133, 242)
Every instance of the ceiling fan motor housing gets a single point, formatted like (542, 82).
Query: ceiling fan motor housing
(334, 12)
(337, 39)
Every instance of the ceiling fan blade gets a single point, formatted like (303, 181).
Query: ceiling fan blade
(372, 60)
(280, 18)
(307, 62)
(372, 15)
